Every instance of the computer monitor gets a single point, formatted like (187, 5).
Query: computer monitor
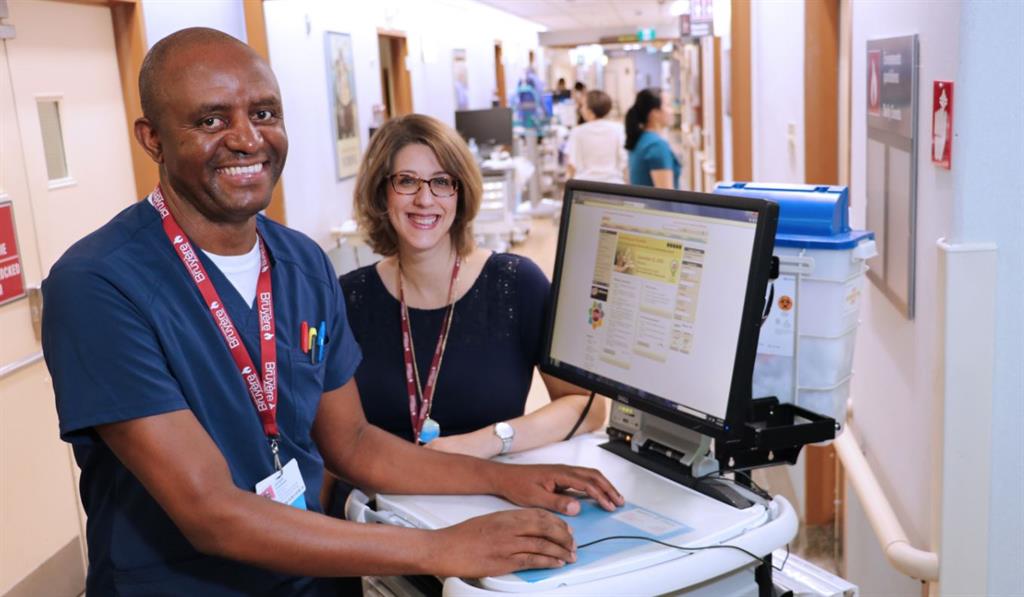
(657, 300)
(490, 127)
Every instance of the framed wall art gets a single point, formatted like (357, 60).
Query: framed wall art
(341, 87)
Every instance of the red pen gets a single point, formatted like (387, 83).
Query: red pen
(304, 337)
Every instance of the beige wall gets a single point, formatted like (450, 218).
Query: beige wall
(64, 51)
(897, 388)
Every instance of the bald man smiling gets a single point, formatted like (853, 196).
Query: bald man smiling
(201, 420)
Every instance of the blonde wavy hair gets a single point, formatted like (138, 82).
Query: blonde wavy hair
(371, 195)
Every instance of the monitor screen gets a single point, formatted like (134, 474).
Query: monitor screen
(490, 127)
(657, 298)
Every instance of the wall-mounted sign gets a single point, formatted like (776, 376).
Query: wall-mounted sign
(875, 82)
(892, 71)
(702, 18)
(942, 124)
(12, 280)
(685, 30)
(645, 34)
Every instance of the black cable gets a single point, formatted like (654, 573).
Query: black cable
(768, 303)
(753, 484)
(583, 416)
(681, 548)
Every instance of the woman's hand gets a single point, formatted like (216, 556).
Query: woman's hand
(481, 443)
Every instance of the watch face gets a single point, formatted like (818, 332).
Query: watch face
(504, 430)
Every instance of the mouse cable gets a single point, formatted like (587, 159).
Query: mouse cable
(681, 548)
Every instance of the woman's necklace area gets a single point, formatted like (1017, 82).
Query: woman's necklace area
(421, 397)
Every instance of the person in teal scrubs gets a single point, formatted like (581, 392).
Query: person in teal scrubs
(651, 161)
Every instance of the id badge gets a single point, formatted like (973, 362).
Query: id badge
(285, 486)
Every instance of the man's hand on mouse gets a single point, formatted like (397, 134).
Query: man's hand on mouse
(545, 486)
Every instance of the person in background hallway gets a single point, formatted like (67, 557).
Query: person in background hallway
(596, 149)
(579, 95)
(202, 444)
(417, 192)
(561, 91)
(651, 161)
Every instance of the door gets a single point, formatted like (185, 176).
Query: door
(65, 167)
(499, 76)
(396, 85)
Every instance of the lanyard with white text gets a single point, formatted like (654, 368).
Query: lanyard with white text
(412, 375)
(262, 388)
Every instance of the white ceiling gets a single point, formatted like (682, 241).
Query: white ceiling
(560, 15)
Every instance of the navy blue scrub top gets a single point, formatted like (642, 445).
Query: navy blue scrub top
(126, 334)
(652, 152)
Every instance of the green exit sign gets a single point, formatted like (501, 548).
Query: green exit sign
(645, 34)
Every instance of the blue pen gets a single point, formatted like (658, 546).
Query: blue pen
(320, 337)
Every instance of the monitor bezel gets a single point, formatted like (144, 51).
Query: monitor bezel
(738, 407)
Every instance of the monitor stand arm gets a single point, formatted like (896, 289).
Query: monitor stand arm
(670, 450)
(689, 448)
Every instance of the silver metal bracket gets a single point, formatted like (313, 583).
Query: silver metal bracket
(687, 447)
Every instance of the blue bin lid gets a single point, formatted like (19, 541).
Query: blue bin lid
(810, 216)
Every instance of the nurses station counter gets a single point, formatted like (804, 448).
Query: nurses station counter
(631, 567)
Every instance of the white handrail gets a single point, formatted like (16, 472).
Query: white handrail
(914, 562)
(18, 365)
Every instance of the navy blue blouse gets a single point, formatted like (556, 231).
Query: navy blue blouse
(493, 346)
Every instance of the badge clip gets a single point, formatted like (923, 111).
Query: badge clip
(275, 450)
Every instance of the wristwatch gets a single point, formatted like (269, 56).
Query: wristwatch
(506, 433)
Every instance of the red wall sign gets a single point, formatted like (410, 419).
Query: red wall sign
(12, 282)
(942, 124)
(874, 82)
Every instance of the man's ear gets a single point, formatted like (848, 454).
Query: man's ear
(149, 139)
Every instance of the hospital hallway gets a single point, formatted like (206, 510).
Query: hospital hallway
(781, 244)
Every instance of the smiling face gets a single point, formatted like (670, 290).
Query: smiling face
(222, 142)
(421, 221)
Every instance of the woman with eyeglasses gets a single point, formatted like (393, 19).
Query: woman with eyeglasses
(450, 332)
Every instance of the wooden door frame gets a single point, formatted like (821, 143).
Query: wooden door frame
(821, 92)
(401, 81)
(719, 149)
(256, 34)
(821, 166)
(740, 93)
(499, 73)
(131, 47)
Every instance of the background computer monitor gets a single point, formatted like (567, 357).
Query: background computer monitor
(657, 299)
(490, 127)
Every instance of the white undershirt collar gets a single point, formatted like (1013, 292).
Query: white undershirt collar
(243, 271)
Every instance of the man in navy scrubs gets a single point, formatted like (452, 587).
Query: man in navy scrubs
(202, 405)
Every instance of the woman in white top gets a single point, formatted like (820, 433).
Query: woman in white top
(596, 149)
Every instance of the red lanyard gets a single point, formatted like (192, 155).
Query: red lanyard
(262, 389)
(420, 401)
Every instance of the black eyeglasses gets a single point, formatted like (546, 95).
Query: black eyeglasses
(407, 184)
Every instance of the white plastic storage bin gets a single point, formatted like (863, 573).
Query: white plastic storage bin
(810, 333)
(805, 349)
